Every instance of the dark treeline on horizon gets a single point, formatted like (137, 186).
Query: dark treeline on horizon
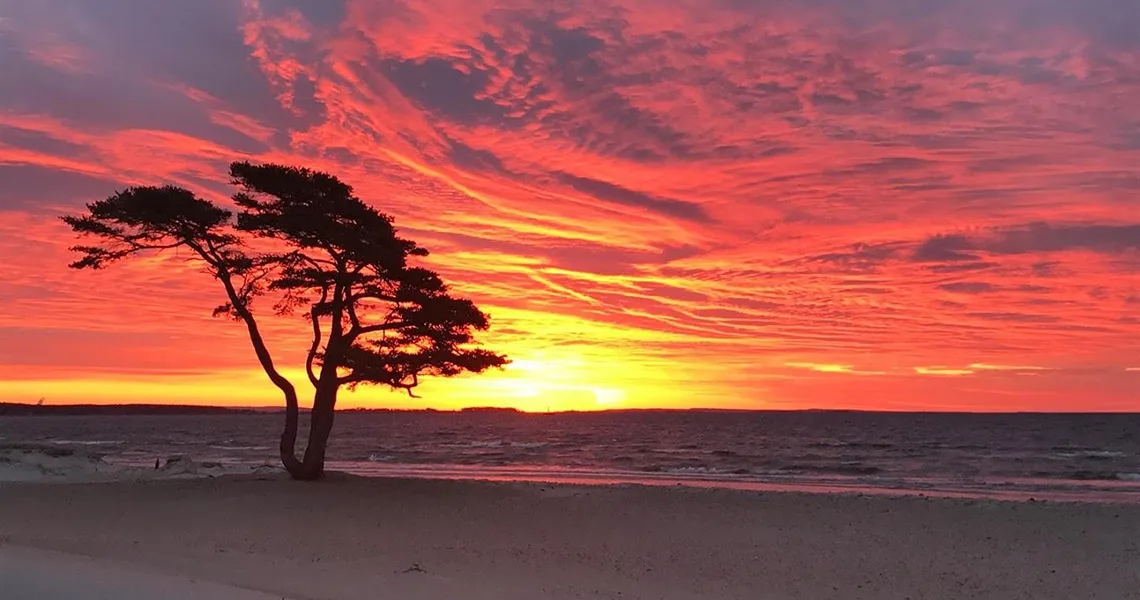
(16, 409)
(10, 409)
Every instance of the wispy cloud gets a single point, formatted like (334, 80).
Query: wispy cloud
(943, 371)
(989, 367)
(827, 368)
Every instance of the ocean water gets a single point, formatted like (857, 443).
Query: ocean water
(1089, 456)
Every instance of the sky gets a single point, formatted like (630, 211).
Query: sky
(769, 204)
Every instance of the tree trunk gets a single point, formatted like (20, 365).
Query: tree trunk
(324, 400)
(289, 439)
(312, 467)
(287, 449)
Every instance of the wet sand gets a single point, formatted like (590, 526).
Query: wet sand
(349, 538)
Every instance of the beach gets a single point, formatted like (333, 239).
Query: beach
(350, 537)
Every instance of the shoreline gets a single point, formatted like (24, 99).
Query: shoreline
(355, 537)
(1127, 492)
(52, 464)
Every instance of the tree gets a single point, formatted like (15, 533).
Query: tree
(305, 238)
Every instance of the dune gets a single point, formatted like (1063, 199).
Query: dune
(46, 463)
(403, 539)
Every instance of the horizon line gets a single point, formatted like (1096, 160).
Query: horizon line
(142, 407)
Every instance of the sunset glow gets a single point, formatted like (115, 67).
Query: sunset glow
(759, 204)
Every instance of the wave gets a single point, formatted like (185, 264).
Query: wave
(1092, 454)
(494, 444)
(703, 471)
(1094, 476)
(851, 445)
(88, 442)
(842, 469)
(1088, 475)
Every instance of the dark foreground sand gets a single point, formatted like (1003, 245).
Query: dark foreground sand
(32, 574)
(350, 538)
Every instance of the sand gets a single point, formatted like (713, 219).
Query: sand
(350, 538)
(30, 574)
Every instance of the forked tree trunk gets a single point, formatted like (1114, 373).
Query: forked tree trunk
(287, 448)
(312, 467)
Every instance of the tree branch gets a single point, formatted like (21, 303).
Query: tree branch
(367, 329)
(373, 296)
(209, 253)
(135, 245)
(353, 319)
(408, 386)
(249, 282)
(313, 262)
(315, 314)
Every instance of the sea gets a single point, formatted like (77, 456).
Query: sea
(1081, 457)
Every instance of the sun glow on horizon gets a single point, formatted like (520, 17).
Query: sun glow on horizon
(543, 383)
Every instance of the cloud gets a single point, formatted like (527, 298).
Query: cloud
(943, 371)
(962, 267)
(445, 89)
(969, 287)
(946, 248)
(1043, 237)
(989, 367)
(978, 368)
(1014, 317)
(866, 256)
(829, 368)
(614, 193)
(30, 187)
(1035, 238)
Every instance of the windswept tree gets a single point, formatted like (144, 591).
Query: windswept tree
(303, 238)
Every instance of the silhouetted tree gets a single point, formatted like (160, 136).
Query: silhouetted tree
(303, 236)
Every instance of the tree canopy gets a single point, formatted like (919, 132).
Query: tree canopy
(303, 238)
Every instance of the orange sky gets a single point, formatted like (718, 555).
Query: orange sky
(879, 204)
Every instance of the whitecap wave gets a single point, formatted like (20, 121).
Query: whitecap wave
(88, 442)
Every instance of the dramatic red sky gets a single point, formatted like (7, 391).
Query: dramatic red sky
(886, 204)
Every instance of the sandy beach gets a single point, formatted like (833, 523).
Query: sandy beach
(355, 538)
(32, 574)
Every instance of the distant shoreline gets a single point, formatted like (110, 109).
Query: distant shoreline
(23, 409)
(12, 409)
(19, 409)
